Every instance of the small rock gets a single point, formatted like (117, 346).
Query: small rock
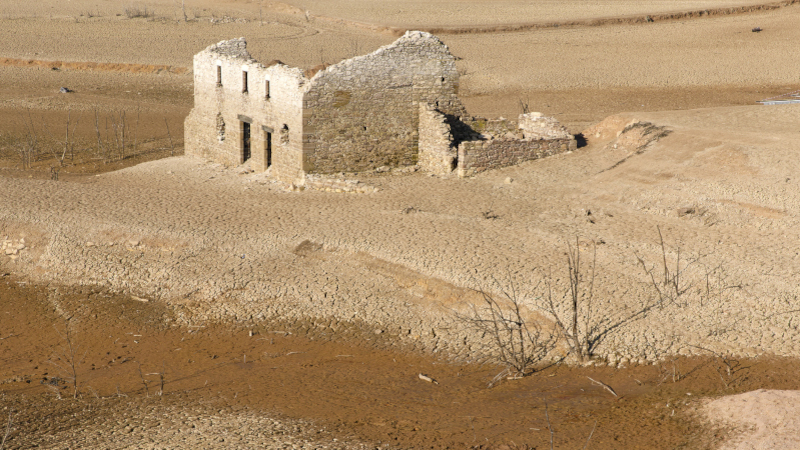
(64, 90)
(378, 331)
(508, 180)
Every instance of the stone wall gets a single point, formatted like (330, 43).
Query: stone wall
(538, 126)
(213, 129)
(437, 154)
(363, 113)
(397, 106)
(477, 156)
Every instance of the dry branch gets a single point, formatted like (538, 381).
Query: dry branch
(607, 387)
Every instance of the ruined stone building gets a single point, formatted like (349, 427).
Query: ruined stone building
(397, 106)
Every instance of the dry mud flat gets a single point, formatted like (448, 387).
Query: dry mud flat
(217, 245)
(143, 383)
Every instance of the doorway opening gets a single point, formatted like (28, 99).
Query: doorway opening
(245, 141)
(268, 149)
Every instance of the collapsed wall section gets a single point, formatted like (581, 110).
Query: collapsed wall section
(363, 113)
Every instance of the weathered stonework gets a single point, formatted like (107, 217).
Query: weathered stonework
(437, 152)
(395, 107)
(477, 156)
(215, 125)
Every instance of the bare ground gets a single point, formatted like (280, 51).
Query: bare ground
(208, 244)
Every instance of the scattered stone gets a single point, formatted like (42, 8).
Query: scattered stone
(64, 90)
(508, 180)
(424, 377)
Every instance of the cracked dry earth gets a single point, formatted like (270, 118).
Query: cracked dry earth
(184, 245)
(214, 244)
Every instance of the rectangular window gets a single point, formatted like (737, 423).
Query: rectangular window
(219, 75)
(244, 81)
(266, 89)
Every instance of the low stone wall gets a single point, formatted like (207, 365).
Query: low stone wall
(477, 156)
(437, 154)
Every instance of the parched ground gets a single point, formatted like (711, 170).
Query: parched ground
(210, 244)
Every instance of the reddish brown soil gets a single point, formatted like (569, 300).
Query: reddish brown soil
(369, 391)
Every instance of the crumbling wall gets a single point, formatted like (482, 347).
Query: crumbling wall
(494, 128)
(538, 126)
(213, 129)
(363, 113)
(437, 152)
(478, 156)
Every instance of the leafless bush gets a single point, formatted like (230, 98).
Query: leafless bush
(574, 310)
(524, 105)
(69, 139)
(114, 142)
(520, 343)
(67, 358)
(731, 370)
(145, 382)
(138, 11)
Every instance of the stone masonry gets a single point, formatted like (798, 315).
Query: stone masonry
(395, 107)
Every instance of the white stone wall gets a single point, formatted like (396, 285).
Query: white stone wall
(283, 108)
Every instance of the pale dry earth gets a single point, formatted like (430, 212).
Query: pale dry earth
(182, 232)
(219, 245)
(764, 419)
(716, 52)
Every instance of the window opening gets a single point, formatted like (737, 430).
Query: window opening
(219, 75)
(220, 128)
(266, 90)
(285, 134)
(244, 81)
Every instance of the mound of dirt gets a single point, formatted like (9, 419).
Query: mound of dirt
(763, 419)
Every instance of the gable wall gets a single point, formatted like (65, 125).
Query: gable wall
(363, 113)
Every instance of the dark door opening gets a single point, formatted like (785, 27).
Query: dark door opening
(245, 141)
(268, 148)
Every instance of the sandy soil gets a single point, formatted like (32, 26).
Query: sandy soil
(210, 244)
(293, 387)
(768, 418)
(465, 13)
